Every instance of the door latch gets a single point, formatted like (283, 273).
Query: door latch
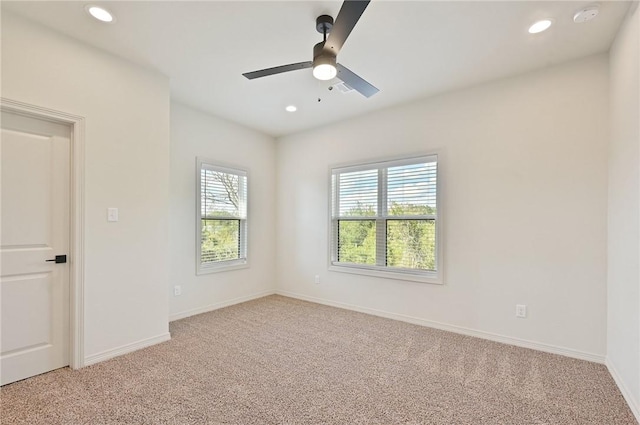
(59, 259)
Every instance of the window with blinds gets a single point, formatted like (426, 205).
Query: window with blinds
(222, 218)
(384, 218)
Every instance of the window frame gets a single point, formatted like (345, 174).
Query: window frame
(221, 266)
(434, 277)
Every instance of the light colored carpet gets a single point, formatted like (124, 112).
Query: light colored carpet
(282, 361)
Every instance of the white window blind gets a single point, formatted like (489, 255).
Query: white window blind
(411, 189)
(384, 217)
(222, 217)
(358, 193)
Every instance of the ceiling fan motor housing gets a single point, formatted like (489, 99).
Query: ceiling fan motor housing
(321, 56)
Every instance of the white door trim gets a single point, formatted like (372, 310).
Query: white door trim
(76, 238)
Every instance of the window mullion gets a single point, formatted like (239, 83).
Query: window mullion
(336, 198)
(381, 228)
(334, 217)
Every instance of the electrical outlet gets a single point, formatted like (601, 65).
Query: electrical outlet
(317, 279)
(521, 310)
(177, 290)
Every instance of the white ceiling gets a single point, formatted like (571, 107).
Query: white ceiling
(408, 49)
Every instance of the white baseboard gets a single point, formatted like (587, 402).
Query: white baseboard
(221, 304)
(547, 348)
(633, 404)
(125, 349)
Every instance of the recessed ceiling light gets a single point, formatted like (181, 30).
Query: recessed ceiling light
(291, 108)
(540, 26)
(99, 13)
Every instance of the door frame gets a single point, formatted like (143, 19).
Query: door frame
(76, 225)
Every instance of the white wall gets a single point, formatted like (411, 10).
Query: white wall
(524, 183)
(623, 336)
(194, 134)
(126, 166)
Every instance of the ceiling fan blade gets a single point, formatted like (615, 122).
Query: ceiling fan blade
(355, 81)
(347, 18)
(278, 70)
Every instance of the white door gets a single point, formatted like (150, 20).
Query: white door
(34, 229)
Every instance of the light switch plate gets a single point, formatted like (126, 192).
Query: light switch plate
(112, 214)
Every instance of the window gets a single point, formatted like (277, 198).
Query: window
(222, 218)
(384, 219)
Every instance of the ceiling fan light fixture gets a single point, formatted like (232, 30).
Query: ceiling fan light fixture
(324, 63)
(325, 71)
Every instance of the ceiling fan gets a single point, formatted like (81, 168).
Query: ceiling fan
(324, 64)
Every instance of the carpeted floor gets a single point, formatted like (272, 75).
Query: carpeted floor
(282, 361)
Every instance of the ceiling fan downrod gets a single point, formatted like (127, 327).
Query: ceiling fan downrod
(324, 23)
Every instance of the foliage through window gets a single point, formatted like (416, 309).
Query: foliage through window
(222, 217)
(384, 217)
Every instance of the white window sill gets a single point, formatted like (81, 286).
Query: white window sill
(432, 278)
(222, 267)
